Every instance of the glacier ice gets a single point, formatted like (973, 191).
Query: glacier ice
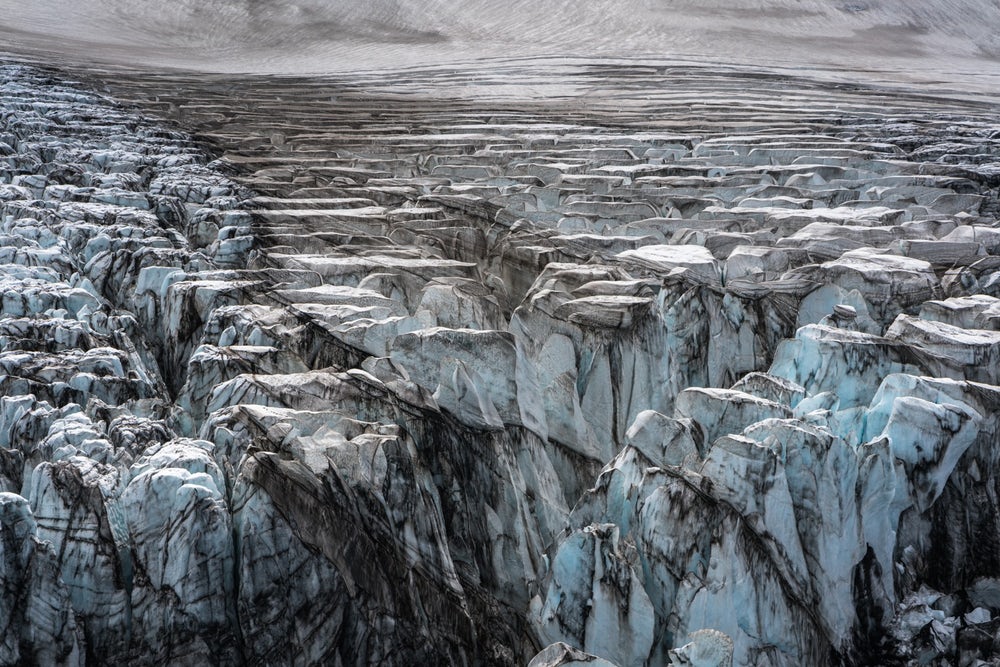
(430, 385)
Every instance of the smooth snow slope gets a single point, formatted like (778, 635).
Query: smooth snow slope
(903, 36)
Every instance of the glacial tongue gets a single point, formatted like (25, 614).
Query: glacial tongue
(436, 382)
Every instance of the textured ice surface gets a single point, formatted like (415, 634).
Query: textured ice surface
(422, 381)
(892, 40)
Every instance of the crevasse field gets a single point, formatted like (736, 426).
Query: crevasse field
(618, 334)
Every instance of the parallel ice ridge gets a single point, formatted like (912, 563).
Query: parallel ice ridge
(940, 43)
(689, 359)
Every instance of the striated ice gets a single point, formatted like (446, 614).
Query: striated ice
(595, 597)
(849, 363)
(723, 411)
(665, 441)
(563, 655)
(663, 259)
(41, 627)
(707, 648)
(463, 392)
(441, 384)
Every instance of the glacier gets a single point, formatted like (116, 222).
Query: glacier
(389, 377)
